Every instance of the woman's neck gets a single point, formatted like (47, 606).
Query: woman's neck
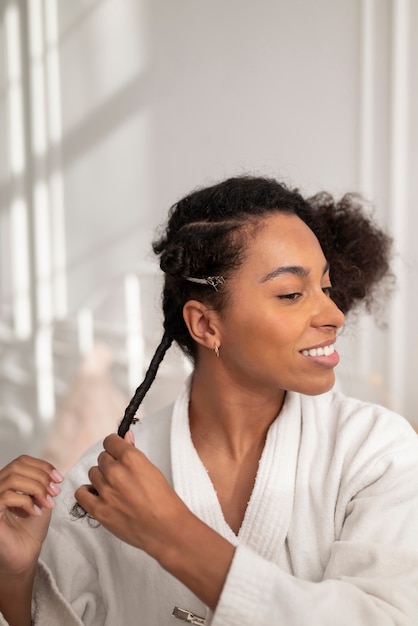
(226, 416)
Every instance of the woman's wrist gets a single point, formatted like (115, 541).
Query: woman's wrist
(199, 557)
(16, 597)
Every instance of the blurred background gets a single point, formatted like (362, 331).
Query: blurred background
(112, 110)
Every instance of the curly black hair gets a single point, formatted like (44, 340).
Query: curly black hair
(357, 249)
(206, 235)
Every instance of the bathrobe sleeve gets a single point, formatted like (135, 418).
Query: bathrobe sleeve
(49, 607)
(371, 574)
(77, 601)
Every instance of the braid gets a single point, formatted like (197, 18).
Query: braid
(133, 406)
(77, 511)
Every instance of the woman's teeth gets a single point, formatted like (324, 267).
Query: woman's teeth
(325, 351)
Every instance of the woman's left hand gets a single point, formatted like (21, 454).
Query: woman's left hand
(133, 500)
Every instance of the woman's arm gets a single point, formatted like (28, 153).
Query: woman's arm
(16, 598)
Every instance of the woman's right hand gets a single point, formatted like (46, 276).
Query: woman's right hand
(27, 489)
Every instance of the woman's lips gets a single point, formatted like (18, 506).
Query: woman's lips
(323, 355)
(321, 351)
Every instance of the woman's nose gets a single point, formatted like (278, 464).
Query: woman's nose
(328, 313)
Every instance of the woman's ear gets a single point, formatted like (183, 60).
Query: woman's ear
(202, 323)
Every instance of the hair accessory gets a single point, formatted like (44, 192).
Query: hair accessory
(213, 281)
(216, 350)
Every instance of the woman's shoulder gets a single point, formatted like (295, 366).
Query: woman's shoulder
(359, 440)
(343, 409)
(348, 422)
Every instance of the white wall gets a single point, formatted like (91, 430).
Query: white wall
(160, 96)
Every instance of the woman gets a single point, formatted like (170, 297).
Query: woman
(261, 496)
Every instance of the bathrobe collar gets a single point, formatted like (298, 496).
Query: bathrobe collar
(269, 510)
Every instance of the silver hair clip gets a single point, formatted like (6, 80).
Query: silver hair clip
(188, 616)
(213, 281)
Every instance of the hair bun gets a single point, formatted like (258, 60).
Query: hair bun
(173, 260)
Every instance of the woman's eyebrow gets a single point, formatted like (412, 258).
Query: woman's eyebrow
(296, 270)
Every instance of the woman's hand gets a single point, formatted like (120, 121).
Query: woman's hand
(131, 497)
(27, 489)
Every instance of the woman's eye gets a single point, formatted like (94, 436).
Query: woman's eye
(290, 296)
(327, 291)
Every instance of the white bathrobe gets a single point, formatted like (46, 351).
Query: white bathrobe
(329, 538)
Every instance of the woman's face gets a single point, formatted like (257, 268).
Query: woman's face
(280, 324)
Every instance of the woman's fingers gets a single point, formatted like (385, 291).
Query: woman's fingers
(86, 496)
(21, 504)
(40, 489)
(115, 445)
(36, 465)
(29, 484)
(116, 451)
(97, 478)
(37, 468)
(27, 490)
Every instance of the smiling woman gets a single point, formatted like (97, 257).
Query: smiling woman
(261, 496)
(278, 306)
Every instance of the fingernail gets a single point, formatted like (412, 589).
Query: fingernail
(130, 437)
(37, 510)
(51, 501)
(58, 478)
(54, 488)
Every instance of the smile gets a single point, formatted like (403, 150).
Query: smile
(324, 351)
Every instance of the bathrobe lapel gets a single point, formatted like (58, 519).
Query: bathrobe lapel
(269, 510)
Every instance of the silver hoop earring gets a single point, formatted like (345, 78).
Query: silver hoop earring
(216, 350)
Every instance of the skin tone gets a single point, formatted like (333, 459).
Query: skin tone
(275, 334)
